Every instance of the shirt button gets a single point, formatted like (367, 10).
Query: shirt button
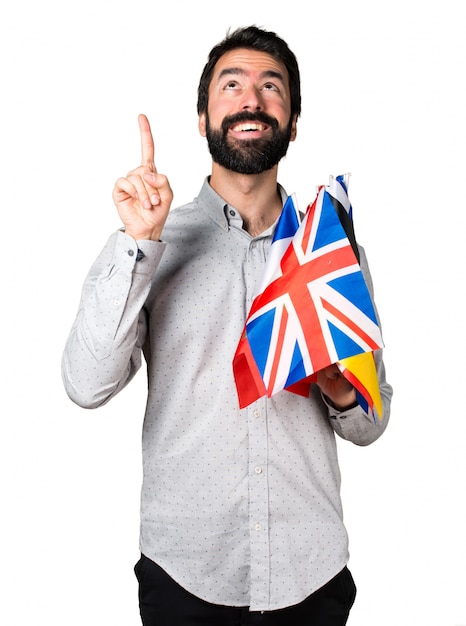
(232, 213)
(258, 470)
(257, 527)
(256, 413)
(131, 252)
(116, 303)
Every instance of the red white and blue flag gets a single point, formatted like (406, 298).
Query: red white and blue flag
(312, 307)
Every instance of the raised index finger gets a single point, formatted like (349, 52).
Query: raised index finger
(147, 143)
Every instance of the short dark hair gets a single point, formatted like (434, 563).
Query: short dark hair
(252, 38)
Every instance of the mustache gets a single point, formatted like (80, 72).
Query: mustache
(247, 116)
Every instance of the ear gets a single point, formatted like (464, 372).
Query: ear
(294, 128)
(201, 124)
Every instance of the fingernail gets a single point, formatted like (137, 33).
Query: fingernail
(154, 199)
(147, 204)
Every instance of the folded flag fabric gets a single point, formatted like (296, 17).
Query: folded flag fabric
(312, 307)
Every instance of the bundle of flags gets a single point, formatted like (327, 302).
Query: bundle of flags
(312, 309)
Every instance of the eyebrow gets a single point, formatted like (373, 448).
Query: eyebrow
(239, 71)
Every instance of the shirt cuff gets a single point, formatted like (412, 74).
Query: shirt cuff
(141, 257)
(334, 413)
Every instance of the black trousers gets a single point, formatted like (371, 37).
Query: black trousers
(162, 602)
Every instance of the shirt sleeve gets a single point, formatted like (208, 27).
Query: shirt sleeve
(355, 424)
(103, 350)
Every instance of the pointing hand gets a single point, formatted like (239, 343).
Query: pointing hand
(143, 198)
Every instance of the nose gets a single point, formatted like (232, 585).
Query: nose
(251, 100)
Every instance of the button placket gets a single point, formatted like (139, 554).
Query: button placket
(259, 504)
(258, 456)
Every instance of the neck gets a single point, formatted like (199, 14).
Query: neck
(255, 196)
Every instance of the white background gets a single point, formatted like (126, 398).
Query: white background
(384, 99)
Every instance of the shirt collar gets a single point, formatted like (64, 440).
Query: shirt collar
(220, 211)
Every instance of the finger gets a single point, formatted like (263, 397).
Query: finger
(332, 372)
(123, 187)
(147, 143)
(142, 175)
(142, 193)
(150, 181)
(158, 185)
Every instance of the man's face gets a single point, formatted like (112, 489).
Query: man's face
(248, 124)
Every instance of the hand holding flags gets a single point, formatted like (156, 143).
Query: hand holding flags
(313, 308)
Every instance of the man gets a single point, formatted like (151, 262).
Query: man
(241, 519)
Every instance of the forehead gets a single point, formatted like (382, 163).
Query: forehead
(250, 62)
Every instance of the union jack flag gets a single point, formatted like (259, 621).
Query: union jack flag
(313, 308)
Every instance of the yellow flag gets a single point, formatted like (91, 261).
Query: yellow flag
(361, 372)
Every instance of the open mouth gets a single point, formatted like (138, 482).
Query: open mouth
(248, 127)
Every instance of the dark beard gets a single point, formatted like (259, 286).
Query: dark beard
(250, 156)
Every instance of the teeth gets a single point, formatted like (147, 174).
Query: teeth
(249, 126)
